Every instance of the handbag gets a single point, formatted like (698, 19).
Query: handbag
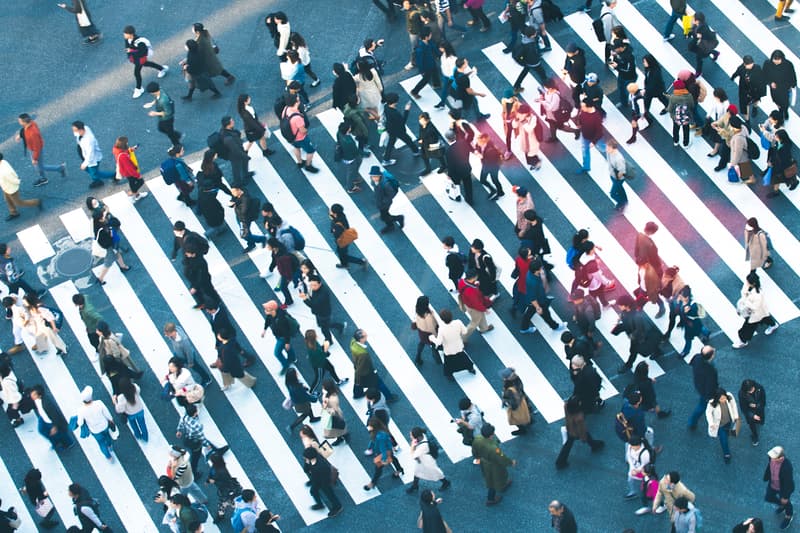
(166, 391)
(113, 431)
(379, 462)
(737, 427)
(733, 176)
(97, 250)
(453, 191)
(765, 144)
(433, 147)
(791, 171)
(767, 179)
(194, 393)
(630, 171)
(742, 309)
(44, 507)
(325, 449)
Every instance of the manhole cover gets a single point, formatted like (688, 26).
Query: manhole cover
(73, 262)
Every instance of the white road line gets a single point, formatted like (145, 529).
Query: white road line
(78, 224)
(12, 498)
(35, 243)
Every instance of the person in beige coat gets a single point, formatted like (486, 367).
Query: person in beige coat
(425, 325)
(669, 489)
(752, 307)
(524, 125)
(723, 417)
(110, 344)
(334, 424)
(524, 203)
(40, 322)
(756, 247)
(739, 158)
(9, 183)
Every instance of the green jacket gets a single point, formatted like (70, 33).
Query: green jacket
(89, 316)
(358, 119)
(494, 463)
(317, 356)
(362, 362)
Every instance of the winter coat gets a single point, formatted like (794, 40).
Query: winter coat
(752, 84)
(362, 363)
(384, 194)
(756, 250)
(471, 297)
(667, 497)
(358, 121)
(494, 463)
(738, 145)
(752, 301)
(575, 424)
(205, 45)
(344, 87)
(758, 398)
(786, 477)
(783, 75)
(651, 282)
(450, 337)
(525, 125)
(681, 97)
(425, 466)
(714, 415)
(705, 377)
(654, 81)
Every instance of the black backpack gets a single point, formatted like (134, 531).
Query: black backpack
(286, 125)
(753, 151)
(564, 111)
(104, 237)
(433, 447)
(215, 142)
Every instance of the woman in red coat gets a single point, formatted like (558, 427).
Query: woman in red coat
(128, 167)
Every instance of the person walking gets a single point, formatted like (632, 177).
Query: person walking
(386, 188)
(669, 489)
(318, 299)
(228, 487)
(254, 129)
(9, 183)
(110, 344)
(182, 472)
(782, 163)
(643, 383)
(561, 518)
(430, 142)
(297, 126)
(678, 12)
(86, 508)
(283, 327)
(51, 422)
(191, 432)
(425, 454)
(723, 417)
(779, 476)
(322, 479)
(86, 27)
(210, 53)
(318, 357)
(430, 519)
(235, 153)
(752, 86)
(383, 453)
(491, 159)
(128, 167)
(529, 131)
(36, 492)
(753, 403)
(196, 72)
(40, 322)
(164, 111)
(644, 337)
(32, 141)
(690, 320)
(98, 422)
(426, 51)
(228, 352)
(752, 307)
(175, 171)
(681, 110)
(343, 236)
(348, 151)
(300, 398)
(140, 52)
(538, 302)
(395, 127)
(493, 462)
(459, 169)
(334, 424)
(450, 337)
(781, 77)
(705, 381)
(195, 270)
(591, 128)
(756, 246)
(475, 303)
(90, 318)
(13, 395)
(344, 86)
(425, 325)
(617, 169)
(703, 41)
(129, 403)
(575, 428)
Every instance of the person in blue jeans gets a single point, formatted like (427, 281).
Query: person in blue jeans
(129, 402)
(283, 327)
(591, 126)
(616, 169)
(678, 11)
(706, 382)
(722, 414)
(689, 319)
(98, 421)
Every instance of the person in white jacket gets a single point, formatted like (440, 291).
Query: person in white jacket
(637, 456)
(91, 155)
(450, 338)
(752, 307)
(722, 416)
(12, 395)
(425, 466)
(98, 420)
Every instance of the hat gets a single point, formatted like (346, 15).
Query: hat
(507, 372)
(525, 109)
(86, 394)
(684, 74)
(519, 190)
(775, 452)
(152, 87)
(733, 110)
(678, 84)
(735, 123)
(592, 77)
(650, 228)
(626, 300)
(508, 93)
(375, 170)
(571, 48)
(271, 306)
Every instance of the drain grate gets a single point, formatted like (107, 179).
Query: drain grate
(73, 262)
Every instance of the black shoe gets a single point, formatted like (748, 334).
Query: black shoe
(317, 507)
(95, 184)
(412, 488)
(664, 413)
(401, 221)
(445, 484)
(250, 247)
(718, 168)
(506, 50)
(335, 512)
(387, 229)
(440, 105)
(311, 168)
(12, 217)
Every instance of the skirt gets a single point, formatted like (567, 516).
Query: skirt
(456, 363)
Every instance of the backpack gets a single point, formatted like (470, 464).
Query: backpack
(169, 171)
(58, 317)
(215, 142)
(681, 114)
(286, 125)
(551, 12)
(622, 427)
(753, 151)
(433, 447)
(236, 518)
(564, 110)
(200, 512)
(147, 43)
(279, 106)
(104, 238)
(391, 180)
(299, 241)
(599, 29)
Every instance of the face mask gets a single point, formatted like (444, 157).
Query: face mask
(748, 228)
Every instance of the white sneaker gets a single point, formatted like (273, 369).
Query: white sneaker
(660, 509)
(368, 451)
(642, 510)
(740, 344)
(138, 92)
(141, 195)
(531, 329)
(408, 66)
(770, 329)
(163, 72)
(671, 36)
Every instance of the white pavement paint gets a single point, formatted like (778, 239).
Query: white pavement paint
(13, 498)
(35, 243)
(78, 224)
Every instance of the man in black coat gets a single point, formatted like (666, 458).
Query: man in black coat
(320, 473)
(221, 323)
(395, 123)
(575, 68)
(577, 346)
(480, 260)
(187, 240)
(320, 303)
(232, 139)
(385, 190)
(52, 423)
(228, 353)
(752, 85)
(246, 208)
(645, 338)
(459, 169)
(706, 382)
(561, 518)
(753, 404)
(780, 477)
(779, 73)
(587, 383)
(195, 269)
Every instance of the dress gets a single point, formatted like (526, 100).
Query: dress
(369, 91)
(37, 325)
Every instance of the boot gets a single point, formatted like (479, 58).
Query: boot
(445, 484)
(188, 97)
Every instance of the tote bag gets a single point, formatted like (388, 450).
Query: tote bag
(83, 18)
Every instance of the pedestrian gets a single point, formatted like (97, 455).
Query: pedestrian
(228, 487)
(280, 30)
(298, 126)
(644, 337)
(365, 374)
(678, 12)
(98, 422)
(182, 348)
(90, 318)
(386, 188)
(425, 466)
(470, 421)
(753, 403)
(509, 104)
(609, 20)
(723, 418)
(624, 63)
(750, 525)
(490, 158)
(447, 63)
(617, 169)
(671, 285)
(182, 472)
(9, 183)
(768, 128)
(228, 353)
(782, 164)
(287, 265)
(475, 303)
(530, 133)
(561, 518)
(430, 519)
(637, 456)
(780, 477)
(283, 327)
(454, 261)
(414, 26)
(515, 11)
(574, 72)
(538, 302)
(780, 75)
(529, 57)
(462, 89)
(649, 489)
(739, 155)
(395, 124)
(690, 319)
(681, 109)
(669, 489)
(479, 18)
(459, 169)
(175, 171)
(535, 18)
(39, 497)
(591, 129)
(426, 51)
(51, 422)
(577, 345)
(322, 479)
(108, 237)
(586, 383)
(344, 86)
(349, 153)
(192, 434)
(635, 100)
(254, 129)
(450, 336)
(235, 153)
(300, 398)
(705, 381)
(575, 429)
(643, 383)
(521, 263)
(111, 344)
(165, 111)
(588, 273)
(344, 236)
(84, 19)
(318, 357)
(369, 88)
(480, 260)
(425, 325)
(196, 72)
(531, 235)
(140, 52)
(557, 110)
(128, 167)
(430, 143)
(319, 301)
(383, 454)
(517, 411)
(195, 269)
(494, 463)
(334, 424)
(210, 53)
(702, 41)
(13, 394)
(653, 84)
(752, 307)
(752, 86)
(32, 140)
(86, 508)
(292, 72)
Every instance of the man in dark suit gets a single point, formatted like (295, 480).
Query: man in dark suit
(187, 240)
(458, 168)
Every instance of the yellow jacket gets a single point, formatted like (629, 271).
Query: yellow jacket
(9, 181)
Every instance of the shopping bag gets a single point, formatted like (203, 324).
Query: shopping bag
(687, 24)
(767, 179)
(733, 176)
(44, 506)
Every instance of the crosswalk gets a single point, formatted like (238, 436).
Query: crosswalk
(697, 233)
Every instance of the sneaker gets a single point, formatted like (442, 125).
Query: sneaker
(409, 66)
(740, 344)
(316, 82)
(368, 451)
(476, 461)
(163, 71)
(641, 511)
(40, 182)
(531, 329)
(660, 509)
(770, 329)
(311, 168)
(671, 36)
(138, 92)
(786, 521)
(630, 495)
(335, 512)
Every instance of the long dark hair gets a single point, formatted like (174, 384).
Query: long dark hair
(33, 485)
(128, 389)
(207, 166)
(291, 378)
(423, 306)
(240, 103)
(297, 40)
